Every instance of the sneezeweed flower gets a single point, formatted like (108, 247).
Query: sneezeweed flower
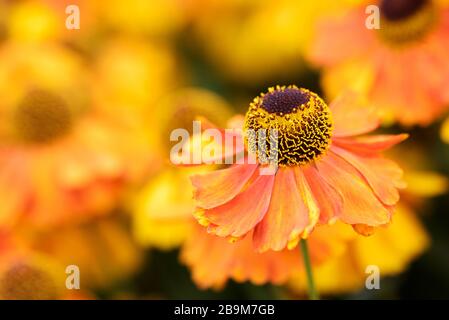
(391, 249)
(213, 260)
(60, 159)
(327, 170)
(402, 67)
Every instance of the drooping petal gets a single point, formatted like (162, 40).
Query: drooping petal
(352, 116)
(329, 200)
(369, 145)
(360, 203)
(215, 188)
(383, 175)
(238, 216)
(287, 214)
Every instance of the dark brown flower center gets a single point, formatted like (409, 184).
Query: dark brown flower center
(284, 101)
(406, 21)
(25, 282)
(42, 116)
(395, 10)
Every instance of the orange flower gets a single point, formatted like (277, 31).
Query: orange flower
(203, 253)
(326, 172)
(402, 67)
(26, 274)
(60, 159)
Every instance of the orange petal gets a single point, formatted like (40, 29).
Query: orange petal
(329, 200)
(238, 216)
(352, 116)
(310, 202)
(215, 188)
(383, 175)
(203, 252)
(360, 203)
(287, 214)
(369, 145)
(364, 230)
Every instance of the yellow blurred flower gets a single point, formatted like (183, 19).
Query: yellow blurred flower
(163, 209)
(131, 75)
(257, 41)
(45, 20)
(60, 158)
(156, 18)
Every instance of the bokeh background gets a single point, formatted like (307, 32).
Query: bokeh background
(85, 177)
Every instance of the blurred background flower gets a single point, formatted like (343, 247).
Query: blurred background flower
(85, 123)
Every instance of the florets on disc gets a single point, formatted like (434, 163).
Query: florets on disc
(301, 119)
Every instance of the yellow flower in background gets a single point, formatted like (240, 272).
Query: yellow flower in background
(392, 249)
(60, 160)
(162, 210)
(402, 67)
(34, 21)
(131, 75)
(41, 21)
(253, 42)
(155, 18)
(444, 131)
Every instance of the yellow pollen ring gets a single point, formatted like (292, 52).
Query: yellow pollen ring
(303, 135)
(410, 29)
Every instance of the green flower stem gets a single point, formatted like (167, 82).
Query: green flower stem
(313, 294)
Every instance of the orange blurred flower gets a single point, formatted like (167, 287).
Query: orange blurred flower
(29, 275)
(327, 171)
(402, 67)
(102, 249)
(213, 260)
(60, 159)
